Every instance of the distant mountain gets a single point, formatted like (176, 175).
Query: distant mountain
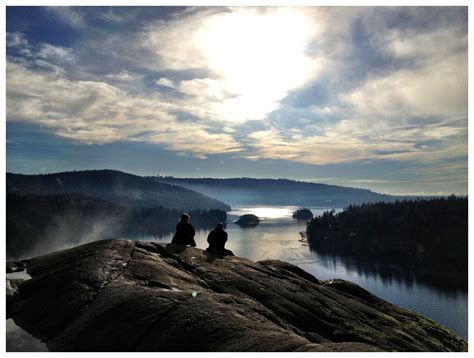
(114, 186)
(249, 191)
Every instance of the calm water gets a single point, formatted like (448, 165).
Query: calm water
(277, 237)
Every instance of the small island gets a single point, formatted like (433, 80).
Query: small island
(248, 220)
(303, 214)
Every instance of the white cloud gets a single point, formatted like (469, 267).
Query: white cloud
(69, 15)
(246, 51)
(227, 66)
(193, 139)
(16, 39)
(437, 90)
(123, 75)
(166, 82)
(97, 113)
(55, 53)
(427, 46)
(110, 16)
(205, 87)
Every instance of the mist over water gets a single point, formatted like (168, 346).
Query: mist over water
(68, 231)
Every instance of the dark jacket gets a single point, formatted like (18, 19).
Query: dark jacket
(217, 238)
(184, 234)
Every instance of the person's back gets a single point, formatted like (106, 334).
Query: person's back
(217, 239)
(184, 233)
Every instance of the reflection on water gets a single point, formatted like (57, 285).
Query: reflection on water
(265, 212)
(277, 237)
(18, 340)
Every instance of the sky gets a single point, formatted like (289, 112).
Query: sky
(368, 97)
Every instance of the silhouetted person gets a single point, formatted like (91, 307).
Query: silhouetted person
(184, 232)
(217, 239)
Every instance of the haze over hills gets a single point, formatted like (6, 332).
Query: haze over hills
(251, 191)
(40, 224)
(191, 193)
(114, 186)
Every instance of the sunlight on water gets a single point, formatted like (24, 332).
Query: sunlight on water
(266, 212)
(278, 237)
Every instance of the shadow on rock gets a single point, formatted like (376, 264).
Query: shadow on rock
(213, 254)
(175, 249)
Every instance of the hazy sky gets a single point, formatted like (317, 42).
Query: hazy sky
(365, 97)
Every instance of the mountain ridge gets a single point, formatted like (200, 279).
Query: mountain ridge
(269, 191)
(115, 186)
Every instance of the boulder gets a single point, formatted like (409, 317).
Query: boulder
(123, 295)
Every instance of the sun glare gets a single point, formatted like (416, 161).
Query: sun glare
(270, 213)
(260, 56)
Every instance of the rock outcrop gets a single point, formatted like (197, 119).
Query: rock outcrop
(121, 295)
(303, 214)
(248, 220)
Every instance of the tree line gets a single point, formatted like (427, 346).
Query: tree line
(430, 234)
(38, 224)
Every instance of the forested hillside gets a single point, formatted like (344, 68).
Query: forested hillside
(431, 234)
(114, 186)
(250, 191)
(38, 224)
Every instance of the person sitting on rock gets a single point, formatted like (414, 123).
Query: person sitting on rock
(217, 239)
(184, 232)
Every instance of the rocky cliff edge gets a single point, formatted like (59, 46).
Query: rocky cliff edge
(122, 295)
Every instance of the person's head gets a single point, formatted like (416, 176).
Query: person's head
(184, 217)
(220, 226)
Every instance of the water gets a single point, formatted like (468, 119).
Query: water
(277, 237)
(16, 338)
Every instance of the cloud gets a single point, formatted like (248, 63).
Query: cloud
(165, 82)
(70, 16)
(97, 113)
(246, 52)
(436, 90)
(424, 46)
(201, 142)
(394, 81)
(123, 75)
(56, 53)
(413, 110)
(16, 39)
(110, 16)
(205, 87)
(364, 140)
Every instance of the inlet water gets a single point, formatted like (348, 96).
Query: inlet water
(277, 236)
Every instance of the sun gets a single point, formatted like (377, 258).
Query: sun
(259, 56)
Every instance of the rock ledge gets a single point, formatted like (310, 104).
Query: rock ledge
(122, 295)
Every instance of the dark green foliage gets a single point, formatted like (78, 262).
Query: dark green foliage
(430, 234)
(37, 224)
(114, 186)
(303, 214)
